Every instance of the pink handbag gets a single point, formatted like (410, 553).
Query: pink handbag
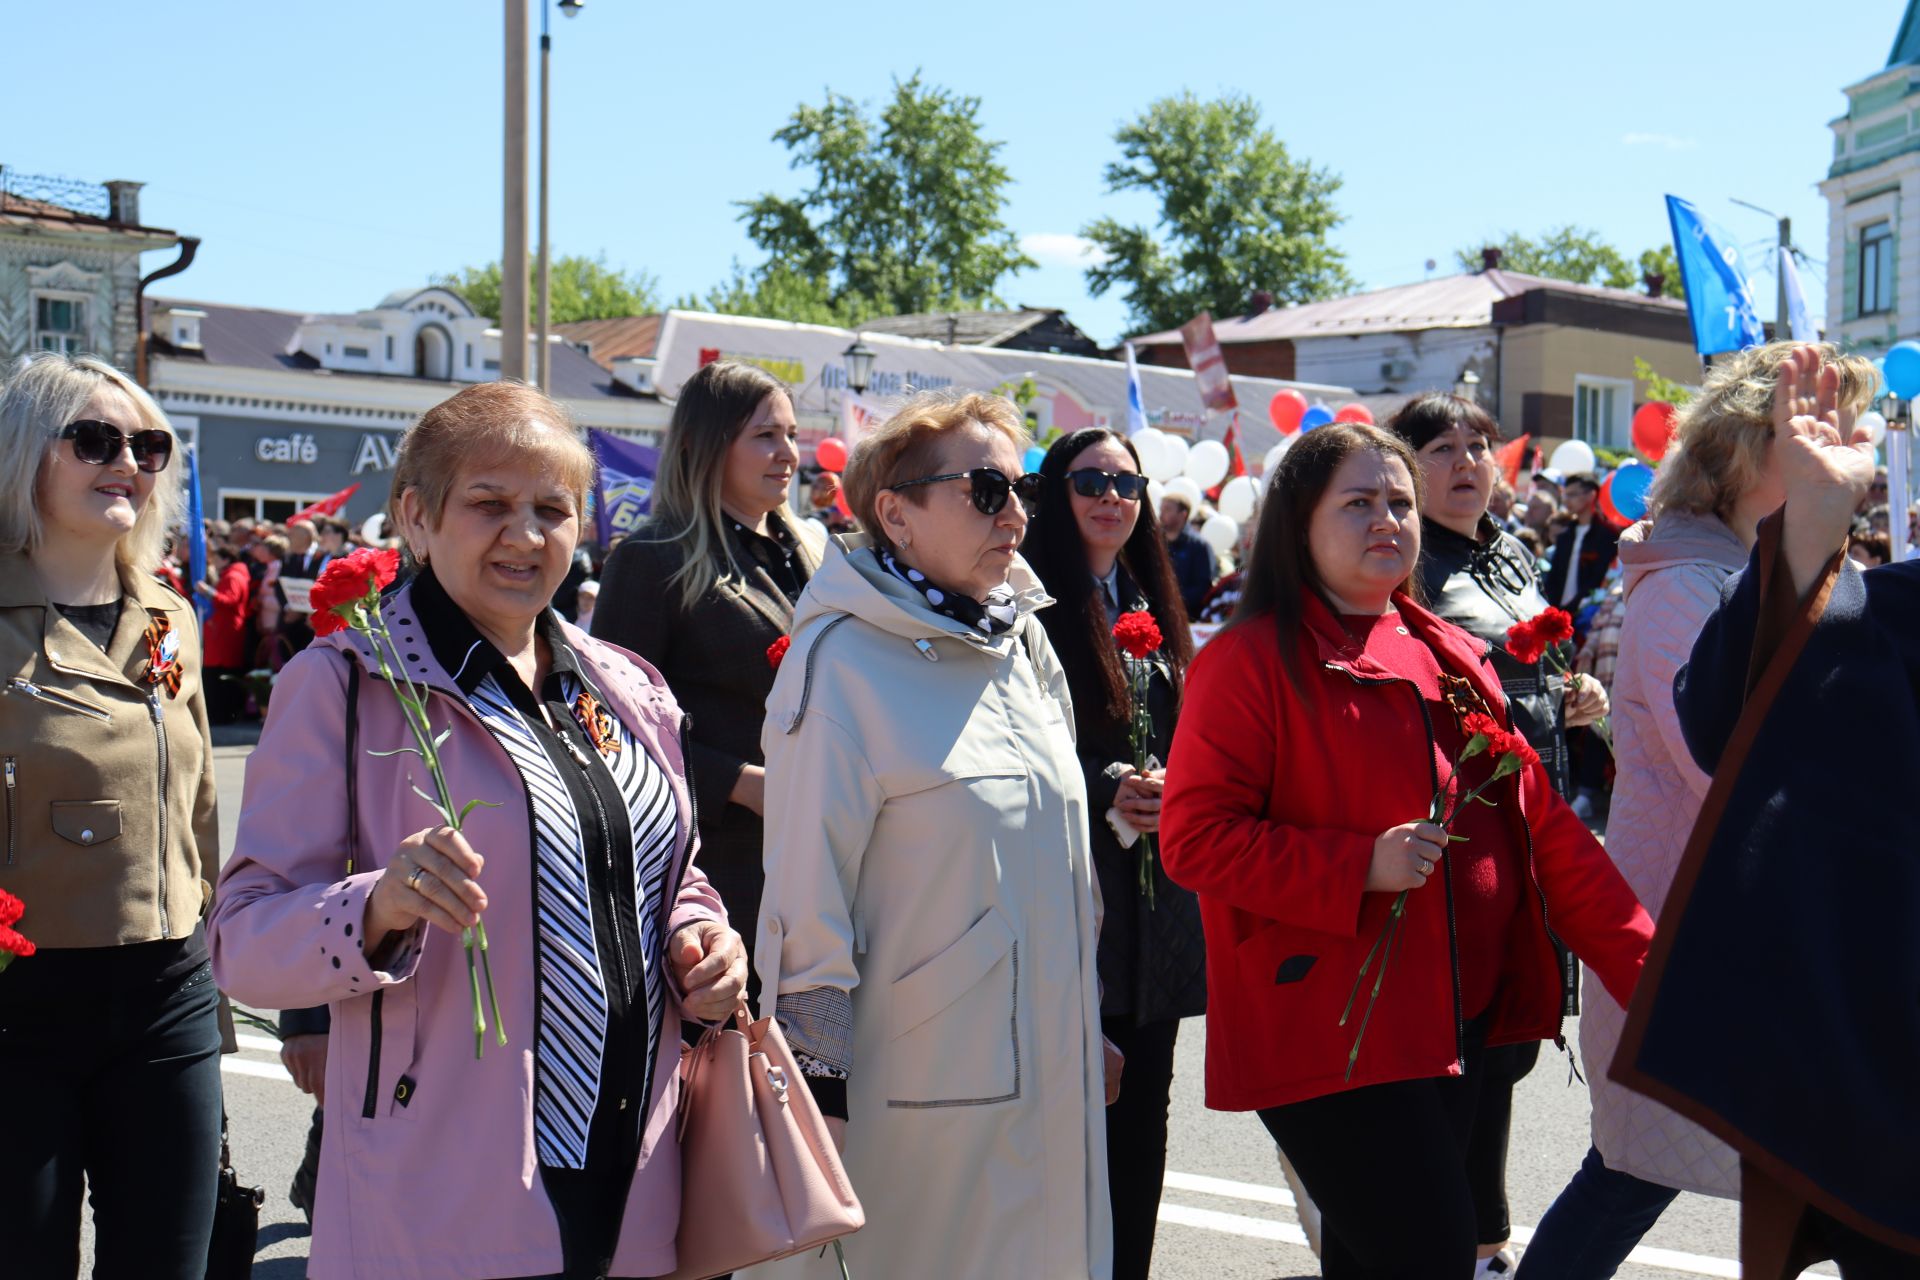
(760, 1177)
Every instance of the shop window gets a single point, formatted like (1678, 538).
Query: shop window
(60, 324)
(356, 353)
(1602, 409)
(1876, 268)
(238, 504)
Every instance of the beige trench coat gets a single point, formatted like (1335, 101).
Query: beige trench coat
(927, 854)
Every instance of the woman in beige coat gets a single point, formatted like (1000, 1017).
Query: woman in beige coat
(928, 926)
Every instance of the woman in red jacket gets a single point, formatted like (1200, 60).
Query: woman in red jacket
(224, 640)
(1317, 729)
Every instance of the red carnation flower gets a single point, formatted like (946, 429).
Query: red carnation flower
(12, 943)
(1524, 642)
(1481, 723)
(1512, 744)
(346, 582)
(777, 651)
(11, 908)
(1554, 626)
(1137, 634)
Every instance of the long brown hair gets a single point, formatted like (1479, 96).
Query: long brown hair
(1280, 570)
(1077, 622)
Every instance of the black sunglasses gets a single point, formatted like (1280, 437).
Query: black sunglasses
(1128, 486)
(101, 442)
(990, 487)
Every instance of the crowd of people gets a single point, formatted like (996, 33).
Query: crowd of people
(978, 782)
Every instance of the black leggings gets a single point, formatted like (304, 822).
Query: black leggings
(1387, 1165)
(118, 1080)
(1137, 1139)
(1507, 1066)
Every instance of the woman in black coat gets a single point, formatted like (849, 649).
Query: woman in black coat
(705, 587)
(1100, 555)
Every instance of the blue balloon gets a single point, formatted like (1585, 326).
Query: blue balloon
(1903, 369)
(1630, 484)
(1035, 456)
(1318, 416)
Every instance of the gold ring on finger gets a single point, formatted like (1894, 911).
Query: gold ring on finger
(413, 881)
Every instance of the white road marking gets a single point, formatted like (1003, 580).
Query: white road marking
(1267, 1229)
(248, 1067)
(265, 1043)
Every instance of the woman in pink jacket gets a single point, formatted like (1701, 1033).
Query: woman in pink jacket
(555, 1156)
(1715, 485)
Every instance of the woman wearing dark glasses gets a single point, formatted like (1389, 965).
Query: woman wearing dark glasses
(1099, 554)
(927, 937)
(110, 1032)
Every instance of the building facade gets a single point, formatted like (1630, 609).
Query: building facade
(1873, 203)
(70, 266)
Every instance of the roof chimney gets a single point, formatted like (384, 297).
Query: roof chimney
(1655, 283)
(1489, 259)
(1261, 301)
(124, 201)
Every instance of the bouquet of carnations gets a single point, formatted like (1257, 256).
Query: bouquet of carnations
(1511, 753)
(1548, 635)
(12, 942)
(348, 595)
(1139, 638)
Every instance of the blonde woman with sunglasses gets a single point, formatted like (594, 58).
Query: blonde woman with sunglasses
(110, 1033)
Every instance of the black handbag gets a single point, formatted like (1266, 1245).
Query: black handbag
(236, 1220)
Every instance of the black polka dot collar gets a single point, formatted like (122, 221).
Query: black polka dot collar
(995, 617)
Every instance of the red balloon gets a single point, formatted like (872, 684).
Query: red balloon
(1604, 504)
(1286, 409)
(1354, 413)
(831, 454)
(1653, 427)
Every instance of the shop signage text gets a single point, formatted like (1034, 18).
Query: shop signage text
(293, 448)
(375, 453)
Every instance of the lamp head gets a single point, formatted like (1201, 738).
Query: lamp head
(859, 358)
(572, 8)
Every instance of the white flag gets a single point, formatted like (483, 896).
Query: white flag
(1136, 404)
(1799, 324)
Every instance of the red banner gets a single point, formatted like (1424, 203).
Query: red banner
(326, 506)
(1208, 365)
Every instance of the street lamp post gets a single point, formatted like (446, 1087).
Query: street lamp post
(859, 360)
(543, 358)
(513, 252)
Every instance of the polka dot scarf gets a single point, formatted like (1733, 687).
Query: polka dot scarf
(993, 618)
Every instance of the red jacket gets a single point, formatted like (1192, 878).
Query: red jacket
(1271, 818)
(224, 644)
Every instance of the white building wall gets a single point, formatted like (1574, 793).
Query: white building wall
(1375, 363)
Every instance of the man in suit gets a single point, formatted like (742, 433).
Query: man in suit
(1194, 564)
(1584, 552)
(304, 557)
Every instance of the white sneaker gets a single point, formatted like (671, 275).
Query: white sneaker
(1500, 1264)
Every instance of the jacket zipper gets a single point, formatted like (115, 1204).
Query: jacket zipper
(606, 844)
(12, 822)
(371, 1103)
(160, 738)
(55, 698)
(1446, 864)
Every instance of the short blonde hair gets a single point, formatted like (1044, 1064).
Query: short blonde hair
(909, 445)
(45, 393)
(1720, 443)
(485, 425)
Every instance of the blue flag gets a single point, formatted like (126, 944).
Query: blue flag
(624, 490)
(1719, 299)
(196, 538)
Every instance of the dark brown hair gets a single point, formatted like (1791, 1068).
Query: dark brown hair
(1077, 622)
(1422, 418)
(1280, 569)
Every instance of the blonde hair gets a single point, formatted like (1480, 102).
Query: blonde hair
(484, 425)
(1720, 443)
(908, 446)
(714, 407)
(45, 393)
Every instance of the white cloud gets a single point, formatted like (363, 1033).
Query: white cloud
(1060, 249)
(1667, 140)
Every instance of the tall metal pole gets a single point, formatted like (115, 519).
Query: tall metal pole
(543, 361)
(1783, 325)
(513, 254)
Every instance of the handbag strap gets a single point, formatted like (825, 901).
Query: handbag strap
(702, 1050)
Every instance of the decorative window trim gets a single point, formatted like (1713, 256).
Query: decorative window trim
(1612, 433)
(74, 341)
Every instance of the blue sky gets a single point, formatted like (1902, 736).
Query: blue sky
(327, 154)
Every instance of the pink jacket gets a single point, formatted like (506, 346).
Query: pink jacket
(428, 1170)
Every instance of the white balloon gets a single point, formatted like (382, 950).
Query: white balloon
(1156, 454)
(1237, 498)
(1274, 455)
(1177, 451)
(1221, 533)
(1184, 487)
(1208, 462)
(375, 529)
(1155, 492)
(1876, 425)
(1573, 458)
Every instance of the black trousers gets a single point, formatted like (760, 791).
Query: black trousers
(120, 1083)
(1506, 1066)
(1387, 1164)
(1137, 1139)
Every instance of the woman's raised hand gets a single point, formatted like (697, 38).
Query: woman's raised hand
(1825, 461)
(1404, 856)
(431, 877)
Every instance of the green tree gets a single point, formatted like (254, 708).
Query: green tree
(903, 215)
(1659, 387)
(583, 289)
(1237, 214)
(1580, 255)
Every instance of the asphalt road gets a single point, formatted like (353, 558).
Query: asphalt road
(1226, 1214)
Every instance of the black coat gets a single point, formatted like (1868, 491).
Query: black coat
(714, 659)
(1151, 960)
(1194, 569)
(1483, 586)
(1597, 552)
(1778, 1007)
